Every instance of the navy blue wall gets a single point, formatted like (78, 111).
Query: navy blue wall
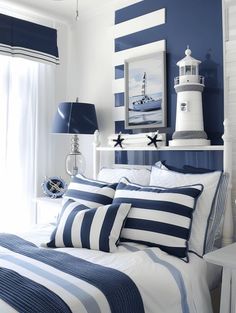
(194, 22)
(197, 23)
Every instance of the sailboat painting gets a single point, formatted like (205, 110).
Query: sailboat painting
(145, 102)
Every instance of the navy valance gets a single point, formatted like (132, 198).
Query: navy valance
(26, 39)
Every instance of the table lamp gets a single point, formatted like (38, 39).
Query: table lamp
(75, 118)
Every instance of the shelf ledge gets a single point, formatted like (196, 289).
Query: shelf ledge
(166, 148)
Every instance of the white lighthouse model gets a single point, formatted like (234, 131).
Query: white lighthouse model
(189, 128)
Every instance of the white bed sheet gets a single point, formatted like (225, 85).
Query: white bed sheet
(42, 234)
(158, 283)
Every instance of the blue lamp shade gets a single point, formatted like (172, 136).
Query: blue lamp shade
(75, 118)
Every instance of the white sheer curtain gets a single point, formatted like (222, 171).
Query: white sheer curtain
(23, 105)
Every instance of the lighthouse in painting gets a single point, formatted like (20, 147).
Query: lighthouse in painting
(189, 128)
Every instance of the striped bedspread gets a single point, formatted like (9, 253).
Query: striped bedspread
(47, 266)
(135, 279)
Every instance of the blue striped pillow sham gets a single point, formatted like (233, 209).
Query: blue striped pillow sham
(92, 193)
(82, 227)
(160, 217)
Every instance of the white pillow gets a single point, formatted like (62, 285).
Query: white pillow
(166, 178)
(113, 175)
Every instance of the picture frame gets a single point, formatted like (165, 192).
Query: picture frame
(145, 91)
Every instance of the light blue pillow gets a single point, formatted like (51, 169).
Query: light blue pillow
(82, 227)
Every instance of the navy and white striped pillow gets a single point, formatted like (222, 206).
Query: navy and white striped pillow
(89, 192)
(159, 216)
(82, 227)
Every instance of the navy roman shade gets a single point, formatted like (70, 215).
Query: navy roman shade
(26, 39)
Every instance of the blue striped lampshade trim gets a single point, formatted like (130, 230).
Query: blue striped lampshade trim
(160, 217)
(82, 227)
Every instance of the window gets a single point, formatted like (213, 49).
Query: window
(188, 70)
(194, 71)
(20, 109)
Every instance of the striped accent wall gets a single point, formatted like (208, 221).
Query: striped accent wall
(150, 26)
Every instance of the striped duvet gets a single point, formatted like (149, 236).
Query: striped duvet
(135, 279)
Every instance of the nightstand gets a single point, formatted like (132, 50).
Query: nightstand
(226, 257)
(47, 210)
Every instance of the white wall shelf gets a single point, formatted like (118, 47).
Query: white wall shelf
(166, 148)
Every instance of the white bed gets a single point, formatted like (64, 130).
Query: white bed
(166, 283)
(133, 279)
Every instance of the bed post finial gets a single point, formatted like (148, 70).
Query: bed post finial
(96, 160)
(228, 229)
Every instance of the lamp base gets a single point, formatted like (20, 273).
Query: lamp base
(75, 162)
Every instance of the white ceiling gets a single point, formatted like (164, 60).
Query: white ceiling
(61, 8)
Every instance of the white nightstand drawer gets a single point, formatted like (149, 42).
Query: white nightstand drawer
(47, 210)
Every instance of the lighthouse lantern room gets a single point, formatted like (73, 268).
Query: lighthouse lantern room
(189, 85)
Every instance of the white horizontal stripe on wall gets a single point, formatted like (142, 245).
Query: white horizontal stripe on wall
(120, 4)
(118, 85)
(140, 23)
(121, 56)
(118, 113)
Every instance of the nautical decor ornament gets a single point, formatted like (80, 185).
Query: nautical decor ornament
(118, 141)
(189, 128)
(54, 187)
(154, 140)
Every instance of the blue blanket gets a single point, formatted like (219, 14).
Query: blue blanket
(26, 295)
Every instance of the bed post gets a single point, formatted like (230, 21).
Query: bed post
(96, 154)
(228, 228)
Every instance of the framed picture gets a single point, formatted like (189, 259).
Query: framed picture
(145, 91)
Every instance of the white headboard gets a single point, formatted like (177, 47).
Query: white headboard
(228, 229)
